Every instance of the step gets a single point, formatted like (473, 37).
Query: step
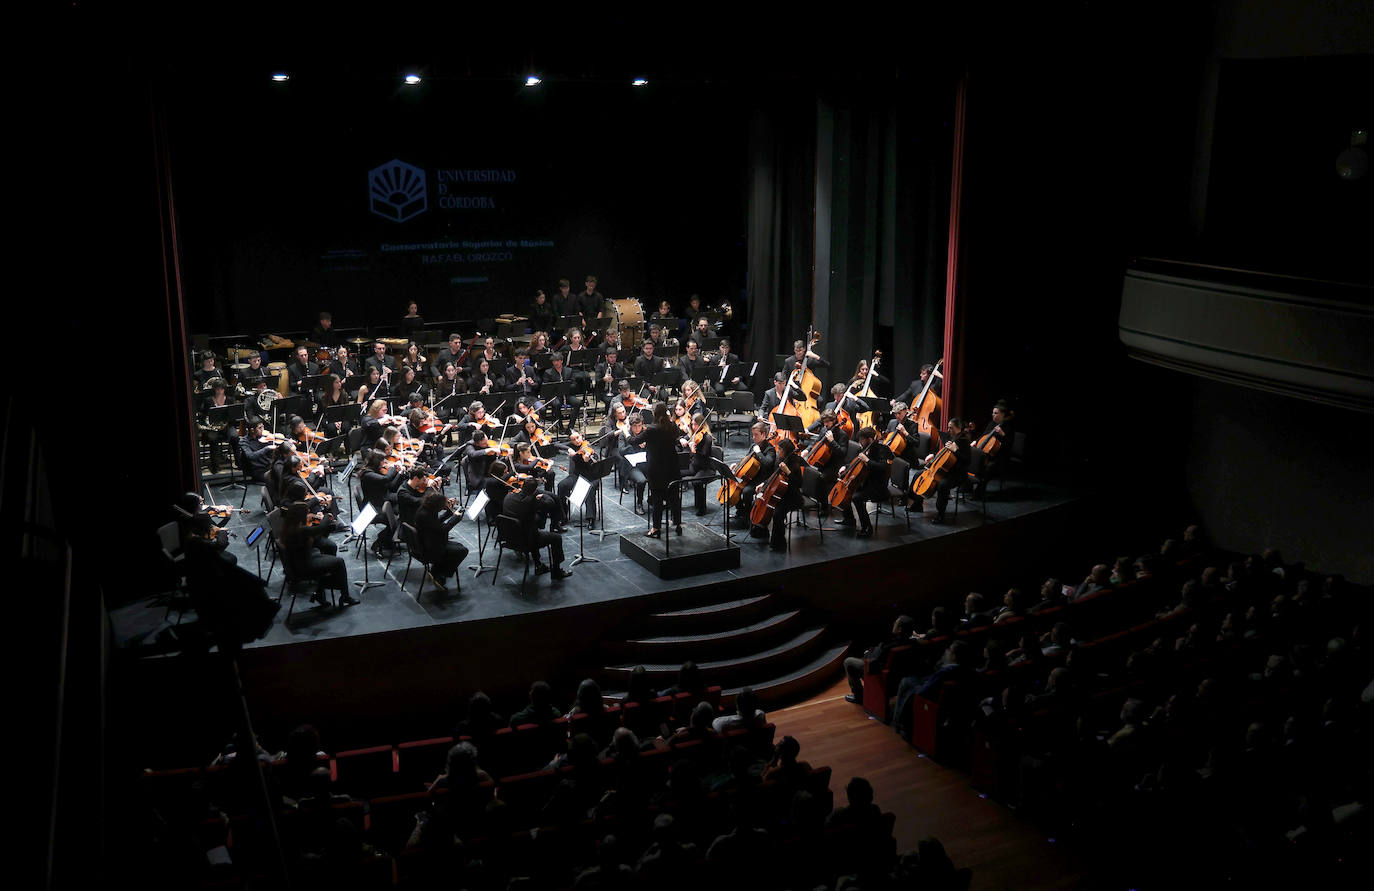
(677, 648)
(796, 685)
(708, 617)
(738, 670)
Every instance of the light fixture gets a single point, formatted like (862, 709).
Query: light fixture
(281, 77)
(639, 82)
(533, 80)
(412, 79)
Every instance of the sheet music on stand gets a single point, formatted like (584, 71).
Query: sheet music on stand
(636, 458)
(788, 423)
(478, 503)
(579, 493)
(364, 519)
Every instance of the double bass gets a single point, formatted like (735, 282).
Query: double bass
(928, 404)
(805, 386)
(865, 390)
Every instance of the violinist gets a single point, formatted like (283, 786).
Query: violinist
(488, 353)
(303, 549)
(297, 433)
(478, 453)
(500, 480)
(874, 488)
(200, 533)
(700, 445)
(957, 475)
(481, 380)
(542, 317)
(373, 422)
(532, 433)
(529, 508)
(827, 430)
(412, 321)
(477, 419)
(632, 475)
(776, 396)
(408, 496)
(379, 360)
(661, 467)
(608, 371)
(431, 450)
(720, 364)
(580, 458)
(568, 405)
(788, 458)
(521, 375)
(215, 395)
(691, 362)
(377, 485)
(1002, 429)
(691, 395)
(433, 521)
(294, 488)
(301, 369)
(799, 354)
(255, 454)
(528, 463)
(617, 425)
(453, 353)
(682, 420)
(768, 458)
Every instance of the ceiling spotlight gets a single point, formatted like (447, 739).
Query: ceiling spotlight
(639, 81)
(533, 80)
(281, 77)
(412, 79)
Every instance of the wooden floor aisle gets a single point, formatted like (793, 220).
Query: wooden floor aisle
(1003, 850)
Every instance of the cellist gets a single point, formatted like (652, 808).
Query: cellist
(874, 487)
(768, 458)
(789, 462)
(901, 418)
(1000, 430)
(843, 400)
(827, 430)
(957, 474)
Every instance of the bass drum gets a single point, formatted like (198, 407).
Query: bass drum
(283, 379)
(629, 318)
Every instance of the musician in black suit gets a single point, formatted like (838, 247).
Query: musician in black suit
(661, 467)
(568, 405)
(376, 485)
(564, 301)
(874, 488)
(901, 417)
(487, 352)
(256, 456)
(433, 520)
(408, 496)
(799, 353)
(720, 362)
(451, 353)
(529, 509)
(384, 364)
(522, 376)
(207, 369)
(1002, 428)
(589, 301)
(303, 550)
(828, 429)
(959, 443)
(646, 365)
(702, 332)
(609, 370)
(323, 332)
(541, 312)
(630, 474)
(768, 458)
(774, 397)
(788, 458)
(691, 361)
(478, 453)
(301, 369)
(341, 365)
(577, 467)
(914, 388)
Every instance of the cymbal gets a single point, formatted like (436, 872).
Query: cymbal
(359, 341)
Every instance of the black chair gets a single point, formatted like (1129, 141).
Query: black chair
(898, 482)
(291, 580)
(169, 535)
(510, 535)
(415, 552)
(814, 494)
(354, 440)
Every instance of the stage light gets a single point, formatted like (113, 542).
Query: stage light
(412, 79)
(281, 77)
(639, 82)
(533, 80)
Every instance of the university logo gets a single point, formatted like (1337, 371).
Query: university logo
(397, 191)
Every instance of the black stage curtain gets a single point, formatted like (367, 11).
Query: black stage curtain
(869, 185)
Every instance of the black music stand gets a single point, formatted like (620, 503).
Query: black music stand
(579, 358)
(879, 406)
(497, 366)
(709, 343)
(725, 474)
(566, 322)
(475, 511)
(344, 414)
(293, 405)
(598, 471)
(358, 529)
(667, 323)
(557, 392)
(666, 379)
(354, 382)
(702, 375)
(788, 423)
(227, 414)
(315, 382)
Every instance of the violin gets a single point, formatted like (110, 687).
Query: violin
(633, 402)
(770, 496)
(939, 467)
(221, 511)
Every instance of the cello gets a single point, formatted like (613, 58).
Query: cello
(940, 466)
(850, 480)
(770, 496)
(928, 404)
(743, 471)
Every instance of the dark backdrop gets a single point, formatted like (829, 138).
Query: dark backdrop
(642, 187)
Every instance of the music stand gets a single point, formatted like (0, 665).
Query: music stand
(726, 474)
(474, 511)
(343, 414)
(578, 358)
(702, 374)
(497, 366)
(358, 529)
(709, 343)
(315, 382)
(572, 321)
(293, 405)
(788, 423)
(666, 379)
(879, 406)
(354, 381)
(667, 323)
(577, 500)
(557, 392)
(598, 471)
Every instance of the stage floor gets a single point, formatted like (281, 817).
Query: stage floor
(613, 576)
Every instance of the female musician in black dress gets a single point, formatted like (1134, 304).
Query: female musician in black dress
(660, 441)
